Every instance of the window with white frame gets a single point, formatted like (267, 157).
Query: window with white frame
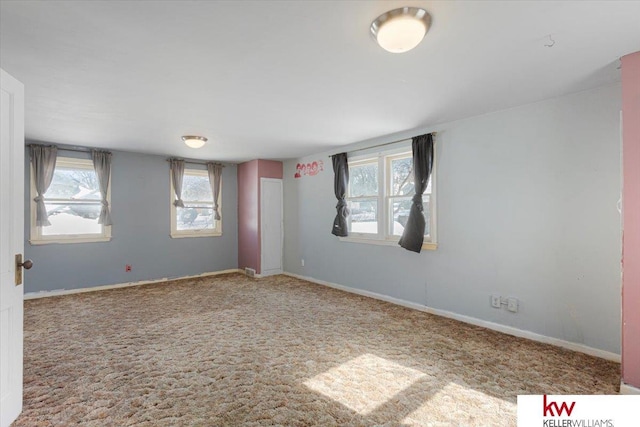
(379, 196)
(73, 204)
(197, 217)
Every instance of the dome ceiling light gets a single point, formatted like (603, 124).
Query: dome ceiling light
(194, 141)
(400, 30)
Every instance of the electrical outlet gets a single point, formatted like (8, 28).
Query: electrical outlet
(302, 262)
(496, 301)
(512, 304)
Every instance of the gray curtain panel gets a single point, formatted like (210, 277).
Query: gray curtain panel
(215, 179)
(177, 173)
(340, 182)
(413, 235)
(102, 166)
(43, 161)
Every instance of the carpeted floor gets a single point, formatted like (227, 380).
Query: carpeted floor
(229, 350)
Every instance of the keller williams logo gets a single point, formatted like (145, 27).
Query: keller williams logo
(548, 408)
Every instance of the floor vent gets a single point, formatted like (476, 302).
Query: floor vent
(251, 272)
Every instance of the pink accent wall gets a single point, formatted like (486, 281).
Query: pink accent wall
(269, 169)
(249, 175)
(248, 243)
(631, 219)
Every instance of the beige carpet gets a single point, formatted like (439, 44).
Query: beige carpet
(229, 350)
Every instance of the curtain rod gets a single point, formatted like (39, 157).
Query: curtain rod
(199, 162)
(88, 150)
(77, 150)
(433, 134)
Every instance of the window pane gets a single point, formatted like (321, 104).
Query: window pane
(196, 188)
(363, 216)
(79, 184)
(363, 180)
(427, 214)
(71, 218)
(402, 182)
(400, 209)
(428, 189)
(402, 178)
(195, 217)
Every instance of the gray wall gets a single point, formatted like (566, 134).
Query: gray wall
(140, 234)
(526, 208)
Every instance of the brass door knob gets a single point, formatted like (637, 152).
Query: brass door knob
(26, 265)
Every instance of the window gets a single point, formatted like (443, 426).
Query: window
(381, 188)
(73, 205)
(196, 218)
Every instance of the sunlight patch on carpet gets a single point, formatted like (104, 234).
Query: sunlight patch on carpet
(461, 404)
(364, 383)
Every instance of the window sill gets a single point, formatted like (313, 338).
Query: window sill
(426, 245)
(194, 234)
(70, 240)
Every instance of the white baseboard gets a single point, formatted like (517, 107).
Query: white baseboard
(628, 389)
(59, 292)
(471, 320)
(248, 274)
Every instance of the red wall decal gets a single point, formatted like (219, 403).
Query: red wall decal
(309, 169)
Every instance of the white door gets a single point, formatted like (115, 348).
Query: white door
(271, 226)
(11, 244)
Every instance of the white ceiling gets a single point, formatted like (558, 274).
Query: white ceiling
(280, 79)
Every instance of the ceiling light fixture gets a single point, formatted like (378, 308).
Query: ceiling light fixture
(194, 141)
(400, 30)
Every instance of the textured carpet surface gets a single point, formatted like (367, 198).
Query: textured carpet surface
(229, 350)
